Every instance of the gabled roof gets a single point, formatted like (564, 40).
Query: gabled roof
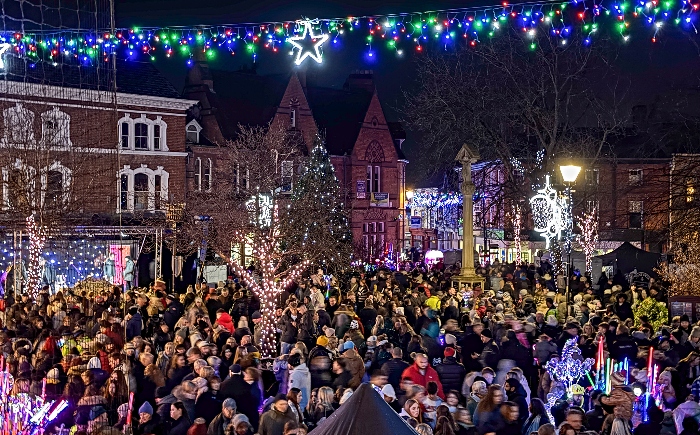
(243, 97)
(133, 77)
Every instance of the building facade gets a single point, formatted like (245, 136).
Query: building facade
(364, 147)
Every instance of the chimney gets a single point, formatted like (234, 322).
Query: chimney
(199, 73)
(360, 80)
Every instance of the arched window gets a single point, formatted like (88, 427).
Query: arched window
(198, 174)
(141, 191)
(124, 192)
(143, 134)
(207, 174)
(192, 132)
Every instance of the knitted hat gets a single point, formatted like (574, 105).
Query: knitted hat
(229, 403)
(552, 321)
(449, 351)
(354, 325)
(146, 408)
(97, 411)
(322, 341)
(238, 419)
(695, 332)
(450, 339)
(348, 345)
(123, 409)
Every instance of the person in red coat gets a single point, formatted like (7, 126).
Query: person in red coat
(420, 373)
(224, 319)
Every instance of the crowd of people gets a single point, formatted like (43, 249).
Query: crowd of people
(448, 359)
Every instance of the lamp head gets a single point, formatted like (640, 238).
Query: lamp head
(569, 172)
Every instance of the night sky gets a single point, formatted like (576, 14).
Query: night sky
(654, 69)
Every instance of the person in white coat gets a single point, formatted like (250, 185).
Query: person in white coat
(300, 378)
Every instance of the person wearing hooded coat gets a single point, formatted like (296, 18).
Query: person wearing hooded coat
(517, 394)
(451, 372)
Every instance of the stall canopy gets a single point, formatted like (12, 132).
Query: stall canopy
(627, 258)
(364, 413)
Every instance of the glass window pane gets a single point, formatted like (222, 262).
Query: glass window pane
(141, 136)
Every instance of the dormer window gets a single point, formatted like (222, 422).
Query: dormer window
(192, 131)
(142, 133)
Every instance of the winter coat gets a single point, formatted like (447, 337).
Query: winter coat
(393, 369)
(623, 347)
(414, 374)
(108, 269)
(544, 350)
(128, 272)
(289, 331)
(217, 426)
(153, 426)
(307, 328)
(355, 366)
(172, 314)
(301, 378)
(272, 422)
(226, 321)
(134, 326)
(451, 373)
(247, 397)
(319, 367)
(207, 406)
(519, 397)
(180, 426)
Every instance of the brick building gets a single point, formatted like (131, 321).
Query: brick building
(86, 160)
(365, 148)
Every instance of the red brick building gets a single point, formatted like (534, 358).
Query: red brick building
(103, 153)
(365, 148)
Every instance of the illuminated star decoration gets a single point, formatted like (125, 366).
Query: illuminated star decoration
(3, 48)
(306, 36)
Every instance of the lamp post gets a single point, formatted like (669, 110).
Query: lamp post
(569, 173)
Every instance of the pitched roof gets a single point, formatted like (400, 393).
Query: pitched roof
(243, 97)
(140, 78)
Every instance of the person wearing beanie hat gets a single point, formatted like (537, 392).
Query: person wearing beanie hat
(146, 408)
(219, 424)
(322, 341)
(149, 422)
(240, 423)
(199, 427)
(273, 421)
(451, 372)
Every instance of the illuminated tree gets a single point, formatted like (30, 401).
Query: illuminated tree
(588, 239)
(260, 203)
(685, 264)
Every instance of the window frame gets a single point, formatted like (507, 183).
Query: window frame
(635, 180)
(198, 174)
(152, 204)
(150, 133)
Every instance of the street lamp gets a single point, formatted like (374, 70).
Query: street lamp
(569, 173)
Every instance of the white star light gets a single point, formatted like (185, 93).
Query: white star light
(3, 48)
(302, 54)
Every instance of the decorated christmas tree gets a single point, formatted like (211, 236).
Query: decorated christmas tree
(317, 195)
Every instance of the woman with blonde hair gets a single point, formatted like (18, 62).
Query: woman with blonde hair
(324, 404)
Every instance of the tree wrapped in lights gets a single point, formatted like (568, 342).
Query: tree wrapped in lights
(37, 239)
(318, 205)
(259, 203)
(517, 228)
(686, 263)
(588, 239)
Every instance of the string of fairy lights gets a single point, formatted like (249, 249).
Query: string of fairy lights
(444, 30)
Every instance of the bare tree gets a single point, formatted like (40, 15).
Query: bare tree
(523, 100)
(249, 204)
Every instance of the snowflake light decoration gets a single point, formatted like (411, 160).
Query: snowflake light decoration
(549, 212)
